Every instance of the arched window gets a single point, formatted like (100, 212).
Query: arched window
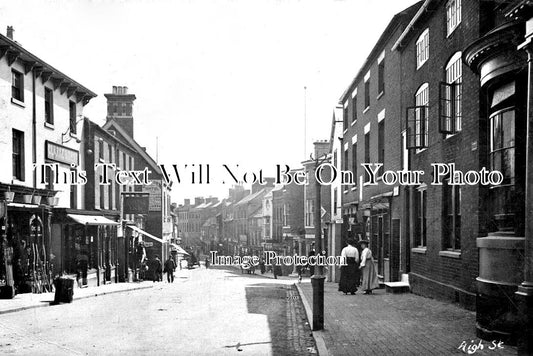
(418, 120)
(422, 48)
(451, 96)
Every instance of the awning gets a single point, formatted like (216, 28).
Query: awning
(178, 249)
(135, 228)
(91, 219)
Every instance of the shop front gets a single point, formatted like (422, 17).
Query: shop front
(88, 247)
(25, 259)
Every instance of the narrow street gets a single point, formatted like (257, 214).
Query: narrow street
(204, 312)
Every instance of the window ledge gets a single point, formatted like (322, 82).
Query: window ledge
(380, 94)
(353, 122)
(49, 126)
(420, 150)
(345, 192)
(354, 188)
(18, 102)
(450, 254)
(366, 109)
(420, 250)
(344, 131)
(452, 135)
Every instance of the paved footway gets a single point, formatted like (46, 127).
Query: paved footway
(396, 324)
(204, 312)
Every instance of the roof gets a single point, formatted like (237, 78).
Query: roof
(396, 20)
(14, 51)
(115, 125)
(251, 197)
(411, 26)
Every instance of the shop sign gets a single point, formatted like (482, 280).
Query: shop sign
(148, 244)
(61, 154)
(154, 190)
(136, 204)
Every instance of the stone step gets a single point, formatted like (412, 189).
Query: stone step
(397, 287)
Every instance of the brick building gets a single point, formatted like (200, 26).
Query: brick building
(372, 113)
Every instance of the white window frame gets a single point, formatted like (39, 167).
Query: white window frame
(453, 16)
(422, 99)
(454, 74)
(422, 48)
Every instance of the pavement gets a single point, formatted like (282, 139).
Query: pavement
(30, 300)
(204, 312)
(395, 324)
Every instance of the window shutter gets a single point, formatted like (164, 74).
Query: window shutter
(446, 105)
(416, 117)
(457, 107)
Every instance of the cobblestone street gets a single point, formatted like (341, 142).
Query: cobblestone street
(205, 312)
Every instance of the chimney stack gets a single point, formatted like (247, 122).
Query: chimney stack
(10, 31)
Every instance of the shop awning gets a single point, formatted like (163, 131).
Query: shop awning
(91, 219)
(178, 249)
(135, 228)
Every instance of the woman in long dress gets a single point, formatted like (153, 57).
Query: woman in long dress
(368, 270)
(349, 273)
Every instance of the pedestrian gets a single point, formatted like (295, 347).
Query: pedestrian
(350, 271)
(170, 267)
(368, 269)
(262, 265)
(157, 269)
(206, 262)
(274, 269)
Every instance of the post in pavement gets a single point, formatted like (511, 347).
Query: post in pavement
(317, 280)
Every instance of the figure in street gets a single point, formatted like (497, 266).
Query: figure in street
(157, 269)
(206, 262)
(170, 267)
(350, 272)
(368, 269)
(312, 252)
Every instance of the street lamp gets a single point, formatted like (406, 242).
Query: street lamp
(318, 278)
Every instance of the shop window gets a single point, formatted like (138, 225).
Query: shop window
(502, 158)
(450, 103)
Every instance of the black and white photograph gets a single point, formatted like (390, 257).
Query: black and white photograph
(269, 177)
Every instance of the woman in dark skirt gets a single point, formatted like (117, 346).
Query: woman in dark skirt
(350, 272)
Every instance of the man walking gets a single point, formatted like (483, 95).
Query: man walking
(170, 267)
(156, 266)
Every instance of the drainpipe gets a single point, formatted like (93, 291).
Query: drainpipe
(34, 130)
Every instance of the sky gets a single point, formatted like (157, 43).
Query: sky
(217, 82)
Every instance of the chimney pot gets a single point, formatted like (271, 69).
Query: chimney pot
(10, 31)
(114, 89)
